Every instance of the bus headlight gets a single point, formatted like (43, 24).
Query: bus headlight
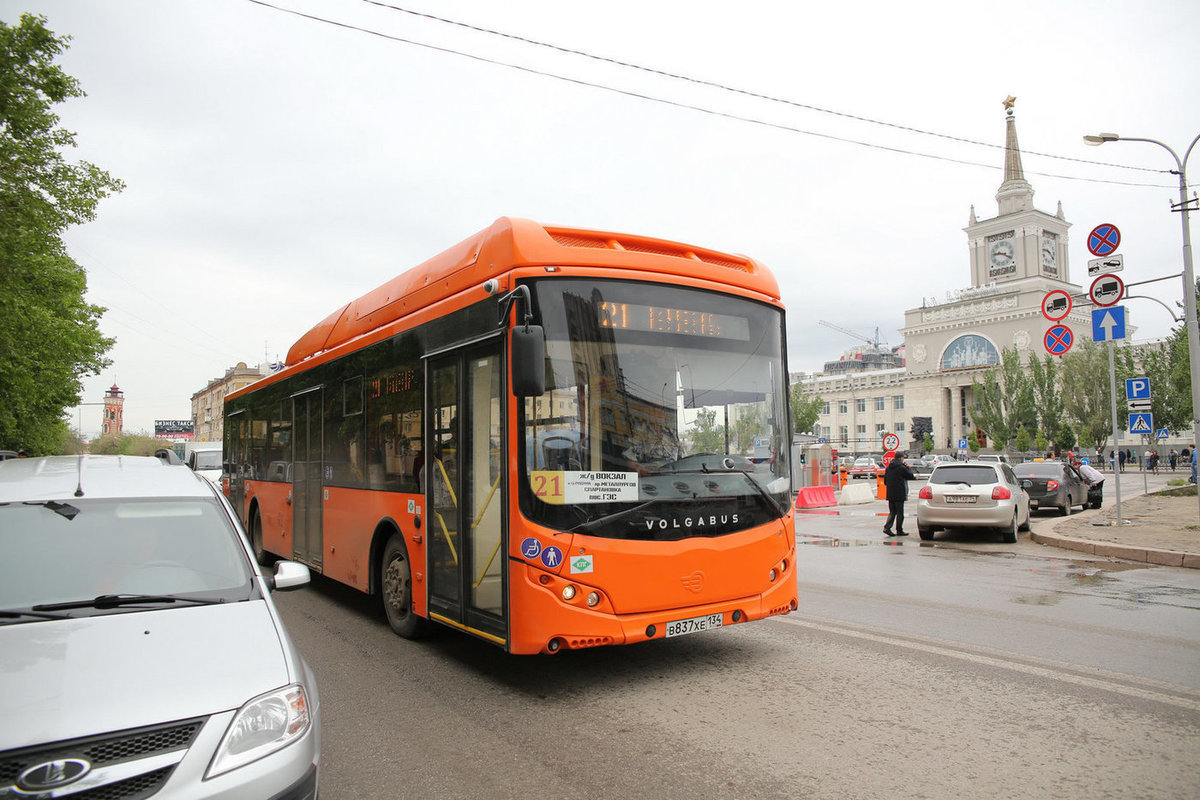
(593, 599)
(262, 726)
(568, 592)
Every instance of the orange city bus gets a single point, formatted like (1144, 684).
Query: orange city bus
(545, 437)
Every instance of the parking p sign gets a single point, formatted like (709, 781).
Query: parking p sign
(1137, 388)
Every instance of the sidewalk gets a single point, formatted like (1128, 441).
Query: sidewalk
(1159, 528)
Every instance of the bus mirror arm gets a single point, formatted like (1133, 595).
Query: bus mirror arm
(519, 294)
(528, 346)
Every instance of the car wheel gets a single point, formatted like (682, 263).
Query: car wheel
(256, 541)
(1010, 531)
(1066, 509)
(925, 532)
(395, 582)
(1028, 522)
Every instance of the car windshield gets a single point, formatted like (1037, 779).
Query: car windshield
(964, 473)
(79, 549)
(864, 462)
(664, 416)
(1039, 470)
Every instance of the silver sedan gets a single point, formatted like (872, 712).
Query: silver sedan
(973, 495)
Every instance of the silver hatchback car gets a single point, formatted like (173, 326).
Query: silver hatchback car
(975, 494)
(140, 651)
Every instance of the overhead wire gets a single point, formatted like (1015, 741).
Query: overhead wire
(702, 109)
(735, 90)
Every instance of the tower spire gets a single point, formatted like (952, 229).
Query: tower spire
(1015, 193)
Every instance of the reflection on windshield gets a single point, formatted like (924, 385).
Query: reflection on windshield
(118, 547)
(664, 415)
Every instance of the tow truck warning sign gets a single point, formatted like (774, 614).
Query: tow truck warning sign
(560, 488)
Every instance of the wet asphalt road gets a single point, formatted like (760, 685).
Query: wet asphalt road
(962, 668)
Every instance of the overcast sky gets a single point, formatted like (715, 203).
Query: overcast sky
(278, 166)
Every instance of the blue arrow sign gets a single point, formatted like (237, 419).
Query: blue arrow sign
(1141, 423)
(1108, 324)
(1137, 388)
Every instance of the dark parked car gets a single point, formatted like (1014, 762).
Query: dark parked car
(1054, 483)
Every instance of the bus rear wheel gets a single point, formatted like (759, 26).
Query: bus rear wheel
(395, 573)
(256, 540)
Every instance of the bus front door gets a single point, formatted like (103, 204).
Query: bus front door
(306, 478)
(464, 492)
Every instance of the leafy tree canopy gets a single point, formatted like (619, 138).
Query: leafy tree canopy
(49, 336)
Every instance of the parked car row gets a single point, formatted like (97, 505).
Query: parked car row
(989, 493)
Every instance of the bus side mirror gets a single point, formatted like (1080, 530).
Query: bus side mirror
(528, 360)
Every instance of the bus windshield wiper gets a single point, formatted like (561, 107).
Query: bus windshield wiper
(592, 524)
(771, 501)
(117, 600)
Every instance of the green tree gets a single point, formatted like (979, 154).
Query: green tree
(1022, 440)
(747, 422)
(1047, 396)
(49, 337)
(708, 437)
(806, 409)
(927, 443)
(1066, 437)
(973, 442)
(127, 444)
(1040, 442)
(1085, 389)
(1004, 399)
(1169, 371)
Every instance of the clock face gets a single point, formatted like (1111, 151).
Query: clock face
(1002, 253)
(1049, 252)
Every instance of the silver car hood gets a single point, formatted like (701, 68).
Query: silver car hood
(65, 678)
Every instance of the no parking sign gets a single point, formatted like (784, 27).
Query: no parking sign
(1058, 340)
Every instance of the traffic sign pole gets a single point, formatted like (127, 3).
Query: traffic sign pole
(1112, 382)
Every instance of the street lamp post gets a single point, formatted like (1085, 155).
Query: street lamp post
(1189, 278)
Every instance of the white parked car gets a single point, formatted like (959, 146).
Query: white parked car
(975, 494)
(140, 651)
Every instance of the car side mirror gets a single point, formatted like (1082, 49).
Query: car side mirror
(1026, 484)
(288, 575)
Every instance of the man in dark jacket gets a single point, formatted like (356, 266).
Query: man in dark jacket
(895, 481)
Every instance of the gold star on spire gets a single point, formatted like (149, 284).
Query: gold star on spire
(1009, 102)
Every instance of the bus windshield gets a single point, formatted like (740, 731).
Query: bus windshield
(664, 416)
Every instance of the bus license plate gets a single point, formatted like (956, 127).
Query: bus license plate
(694, 625)
(961, 498)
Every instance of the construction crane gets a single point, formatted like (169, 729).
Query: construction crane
(874, 343)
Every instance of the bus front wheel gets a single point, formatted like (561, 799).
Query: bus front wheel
(396, 584)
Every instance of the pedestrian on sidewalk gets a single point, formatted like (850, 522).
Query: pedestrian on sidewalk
(895, 482)
(1172, 458)
(1121, 459)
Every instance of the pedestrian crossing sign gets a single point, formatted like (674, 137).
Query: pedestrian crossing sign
(1163, 433)
(1141, 423)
